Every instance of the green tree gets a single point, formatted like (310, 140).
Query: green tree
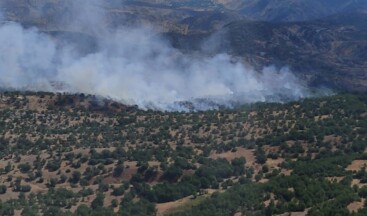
(98, 201)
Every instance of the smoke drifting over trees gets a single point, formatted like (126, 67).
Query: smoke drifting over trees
(134, 66)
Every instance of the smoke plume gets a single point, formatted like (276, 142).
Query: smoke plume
(136, 67)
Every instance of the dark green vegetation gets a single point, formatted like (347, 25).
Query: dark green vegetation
(80, 155)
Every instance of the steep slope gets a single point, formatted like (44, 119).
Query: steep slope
(300, 10)
(332, 50)
(329, 52)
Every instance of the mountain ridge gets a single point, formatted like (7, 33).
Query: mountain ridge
(330, 50)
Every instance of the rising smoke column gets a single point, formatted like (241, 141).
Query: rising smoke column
(134, 66)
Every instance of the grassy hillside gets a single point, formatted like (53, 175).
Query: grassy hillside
(68, 154)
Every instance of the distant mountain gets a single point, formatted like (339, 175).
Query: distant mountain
(330, 51)
(56, 15)
(333, 50)
(178, 16)
(265, 10)
(296, 10)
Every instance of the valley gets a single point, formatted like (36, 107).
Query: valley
(327, 51)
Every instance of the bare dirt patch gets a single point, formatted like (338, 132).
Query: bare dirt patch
(358, 183)
(322, 117)
(357, 165)
(304, 213)
(264, 180)
(169, 207)
(130, 170)
(286, 172)
(164, 208)
(355, 206)
(332, 139)
(335, 178)
(274, 163)
(272, 198)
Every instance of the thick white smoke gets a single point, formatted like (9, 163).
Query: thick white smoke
(134, 66)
